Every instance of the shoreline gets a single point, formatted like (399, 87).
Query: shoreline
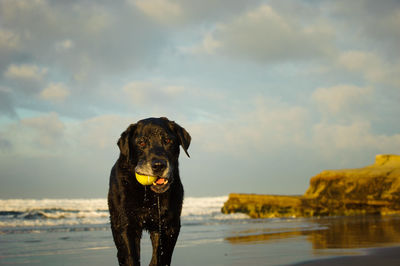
(210, 238)
(388, 256)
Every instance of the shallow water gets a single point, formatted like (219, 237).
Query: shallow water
(77, 233)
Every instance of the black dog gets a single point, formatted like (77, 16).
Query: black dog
(150, 147)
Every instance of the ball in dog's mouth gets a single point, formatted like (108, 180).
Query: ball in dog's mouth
(145, 180)
(158, 184)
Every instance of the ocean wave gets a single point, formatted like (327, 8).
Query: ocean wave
(34, 213)
(23, 205)
(52, 212)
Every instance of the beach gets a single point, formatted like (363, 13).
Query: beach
(77, 232)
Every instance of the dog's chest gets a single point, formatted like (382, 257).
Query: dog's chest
(148, 213)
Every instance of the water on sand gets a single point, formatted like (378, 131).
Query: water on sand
(76, 232)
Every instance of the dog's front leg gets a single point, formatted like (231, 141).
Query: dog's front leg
(163, 246)
(128, 246)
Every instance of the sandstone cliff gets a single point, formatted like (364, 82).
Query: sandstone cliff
(263, 206)
(374, 189)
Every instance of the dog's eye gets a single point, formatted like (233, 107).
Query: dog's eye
(168, 141)
(142, 144)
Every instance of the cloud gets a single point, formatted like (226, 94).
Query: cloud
(48, 135)
(149, 93)
(99, 132)
(64, 45)
(55, 92)
(173, 90)
(25, 72)
(335, 140)
(184, 13)
(263, 126)
(35, 136)
(208, 45)
(373, 24)
(341, 98)
(164, 11)
(8, 40)
(6, 103)
(264, 35)
(174, 99)
(83, 45)
(138, 91)
(371, 66)
(47, 29)
(45, 156)
(48, 129)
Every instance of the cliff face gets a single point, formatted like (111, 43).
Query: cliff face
(263, 206)
(374, 189)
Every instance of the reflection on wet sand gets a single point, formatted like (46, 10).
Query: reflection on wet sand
(262, 237)
(333, 232)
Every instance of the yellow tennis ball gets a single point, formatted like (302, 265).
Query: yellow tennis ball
(145, 180)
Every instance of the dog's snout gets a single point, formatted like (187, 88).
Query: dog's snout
(158, 165)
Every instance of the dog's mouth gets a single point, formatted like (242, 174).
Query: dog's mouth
(160, 181)
(157, 183)
(161, 184)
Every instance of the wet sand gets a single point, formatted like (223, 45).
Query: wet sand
(383, 256)
(282, 252)
(326, 241)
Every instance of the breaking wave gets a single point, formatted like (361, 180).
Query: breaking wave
(92, 214)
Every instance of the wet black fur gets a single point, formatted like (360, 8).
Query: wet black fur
(134, 207)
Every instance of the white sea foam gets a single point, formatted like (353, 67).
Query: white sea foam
(52, 212)
(24, 205)
(202, 206)
(206, 209)
(33, 213)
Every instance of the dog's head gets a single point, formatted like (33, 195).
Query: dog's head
(152, 147)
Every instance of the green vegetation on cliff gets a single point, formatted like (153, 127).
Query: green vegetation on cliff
(374, 189)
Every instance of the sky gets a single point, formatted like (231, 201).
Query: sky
(272, 92)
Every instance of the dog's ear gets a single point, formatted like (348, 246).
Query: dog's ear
(183, 136)
(125, 146)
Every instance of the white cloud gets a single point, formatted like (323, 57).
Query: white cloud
(265, 35)
(55, 92)
(99, 132)
(48, 134)
(146, 92)
(105, 37)
(163, 11)
(25, 72)
(35, 136)
(337, 140)
(98, 20)
(341, 98)
(49, 123)
(371, 66)
(173, 90)
(260, 125)
(138, 92)
(9, 39)
(209, 46)
(64, 45)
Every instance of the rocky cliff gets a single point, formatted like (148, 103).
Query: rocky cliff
(374, 189)
(263, 206)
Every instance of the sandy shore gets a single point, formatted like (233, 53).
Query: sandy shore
(389, 256)
(98, 249)
(328, 241)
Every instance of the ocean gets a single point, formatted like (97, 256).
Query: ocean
(77, 232)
